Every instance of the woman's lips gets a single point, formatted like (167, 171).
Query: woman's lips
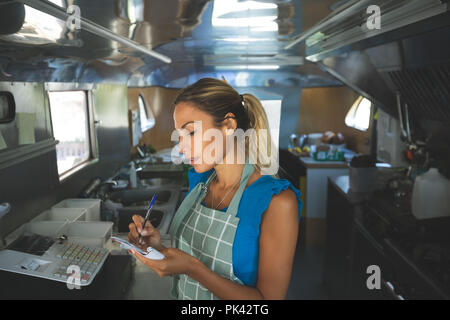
(193, 160)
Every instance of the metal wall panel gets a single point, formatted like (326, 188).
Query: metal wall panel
(33, 186)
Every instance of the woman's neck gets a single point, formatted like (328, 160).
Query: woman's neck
(231, 168)
(228, 174)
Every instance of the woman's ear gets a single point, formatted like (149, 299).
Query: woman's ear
(230, 123)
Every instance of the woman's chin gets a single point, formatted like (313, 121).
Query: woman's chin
(200, 168)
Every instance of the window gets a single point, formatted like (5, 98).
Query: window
(70, 119)
(39, 28)
(359, 115)
(7, 107)
(147, 117)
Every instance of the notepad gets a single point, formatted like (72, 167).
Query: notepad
(127, 245)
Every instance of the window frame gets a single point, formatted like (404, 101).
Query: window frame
(91, 122)
(145, 126)
(11, 105)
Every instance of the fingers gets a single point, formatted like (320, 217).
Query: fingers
(139, 221)
(134, 234)
(155, 265)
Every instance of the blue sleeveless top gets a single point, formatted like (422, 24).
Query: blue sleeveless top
(254, 202)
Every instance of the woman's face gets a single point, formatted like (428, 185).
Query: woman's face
(201, 142)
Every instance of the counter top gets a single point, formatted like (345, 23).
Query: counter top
(309, 162)
(342, 184)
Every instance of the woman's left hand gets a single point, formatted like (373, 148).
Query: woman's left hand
(175, 262)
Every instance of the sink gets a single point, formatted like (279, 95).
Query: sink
(136, 201)
(126, 214)
(167, 171)
(159, 182)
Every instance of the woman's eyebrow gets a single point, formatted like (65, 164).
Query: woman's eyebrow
(184, 125)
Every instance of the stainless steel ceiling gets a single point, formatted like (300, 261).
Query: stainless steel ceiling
(181, 29)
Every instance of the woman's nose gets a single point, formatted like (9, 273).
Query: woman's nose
(182, 146)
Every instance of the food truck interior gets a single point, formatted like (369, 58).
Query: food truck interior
(357, 96)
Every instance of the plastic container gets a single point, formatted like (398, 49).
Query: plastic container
(45, 228)
(89, 233)
(92, 207)
(431, 196)
(363, 179)
(62, 214)
(315, 138)
(82, 232)
(329, 156)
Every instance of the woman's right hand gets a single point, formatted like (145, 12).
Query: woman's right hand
(150, 236)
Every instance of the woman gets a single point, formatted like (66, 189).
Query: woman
(235, 234)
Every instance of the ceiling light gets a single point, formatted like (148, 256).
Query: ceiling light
(248, 67)
(224, 7)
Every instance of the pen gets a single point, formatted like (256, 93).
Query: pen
(147, 215)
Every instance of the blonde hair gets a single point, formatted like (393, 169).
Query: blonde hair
(218, 98)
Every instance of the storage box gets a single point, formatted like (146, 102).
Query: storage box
(82, 232)
(45, 228)
(89, 233)
(62, 214)
(92, 207)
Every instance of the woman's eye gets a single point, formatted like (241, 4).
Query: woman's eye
(191, 133)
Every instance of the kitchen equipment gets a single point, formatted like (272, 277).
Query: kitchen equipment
(431, 196)
(53, 259)
(91, 187)
(294, 141)
(418, 251)
(401, 189)
(362, 179)
(303, 140)
(315, 139)
(363, 174)
(390, 147)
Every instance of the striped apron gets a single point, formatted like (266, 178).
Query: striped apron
(206, 234)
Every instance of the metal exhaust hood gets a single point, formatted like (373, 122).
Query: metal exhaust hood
(409, 54)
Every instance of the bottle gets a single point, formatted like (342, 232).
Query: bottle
(91, 187)
(431, 195)
(133, 176)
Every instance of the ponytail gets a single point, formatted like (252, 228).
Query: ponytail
(261, 151)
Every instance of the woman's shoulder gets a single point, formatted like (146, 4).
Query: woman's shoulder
(273, 185)
(268, 188)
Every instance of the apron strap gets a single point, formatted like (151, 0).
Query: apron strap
(234, 204)
(201, 189)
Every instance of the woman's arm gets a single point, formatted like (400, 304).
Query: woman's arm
(278, 240)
